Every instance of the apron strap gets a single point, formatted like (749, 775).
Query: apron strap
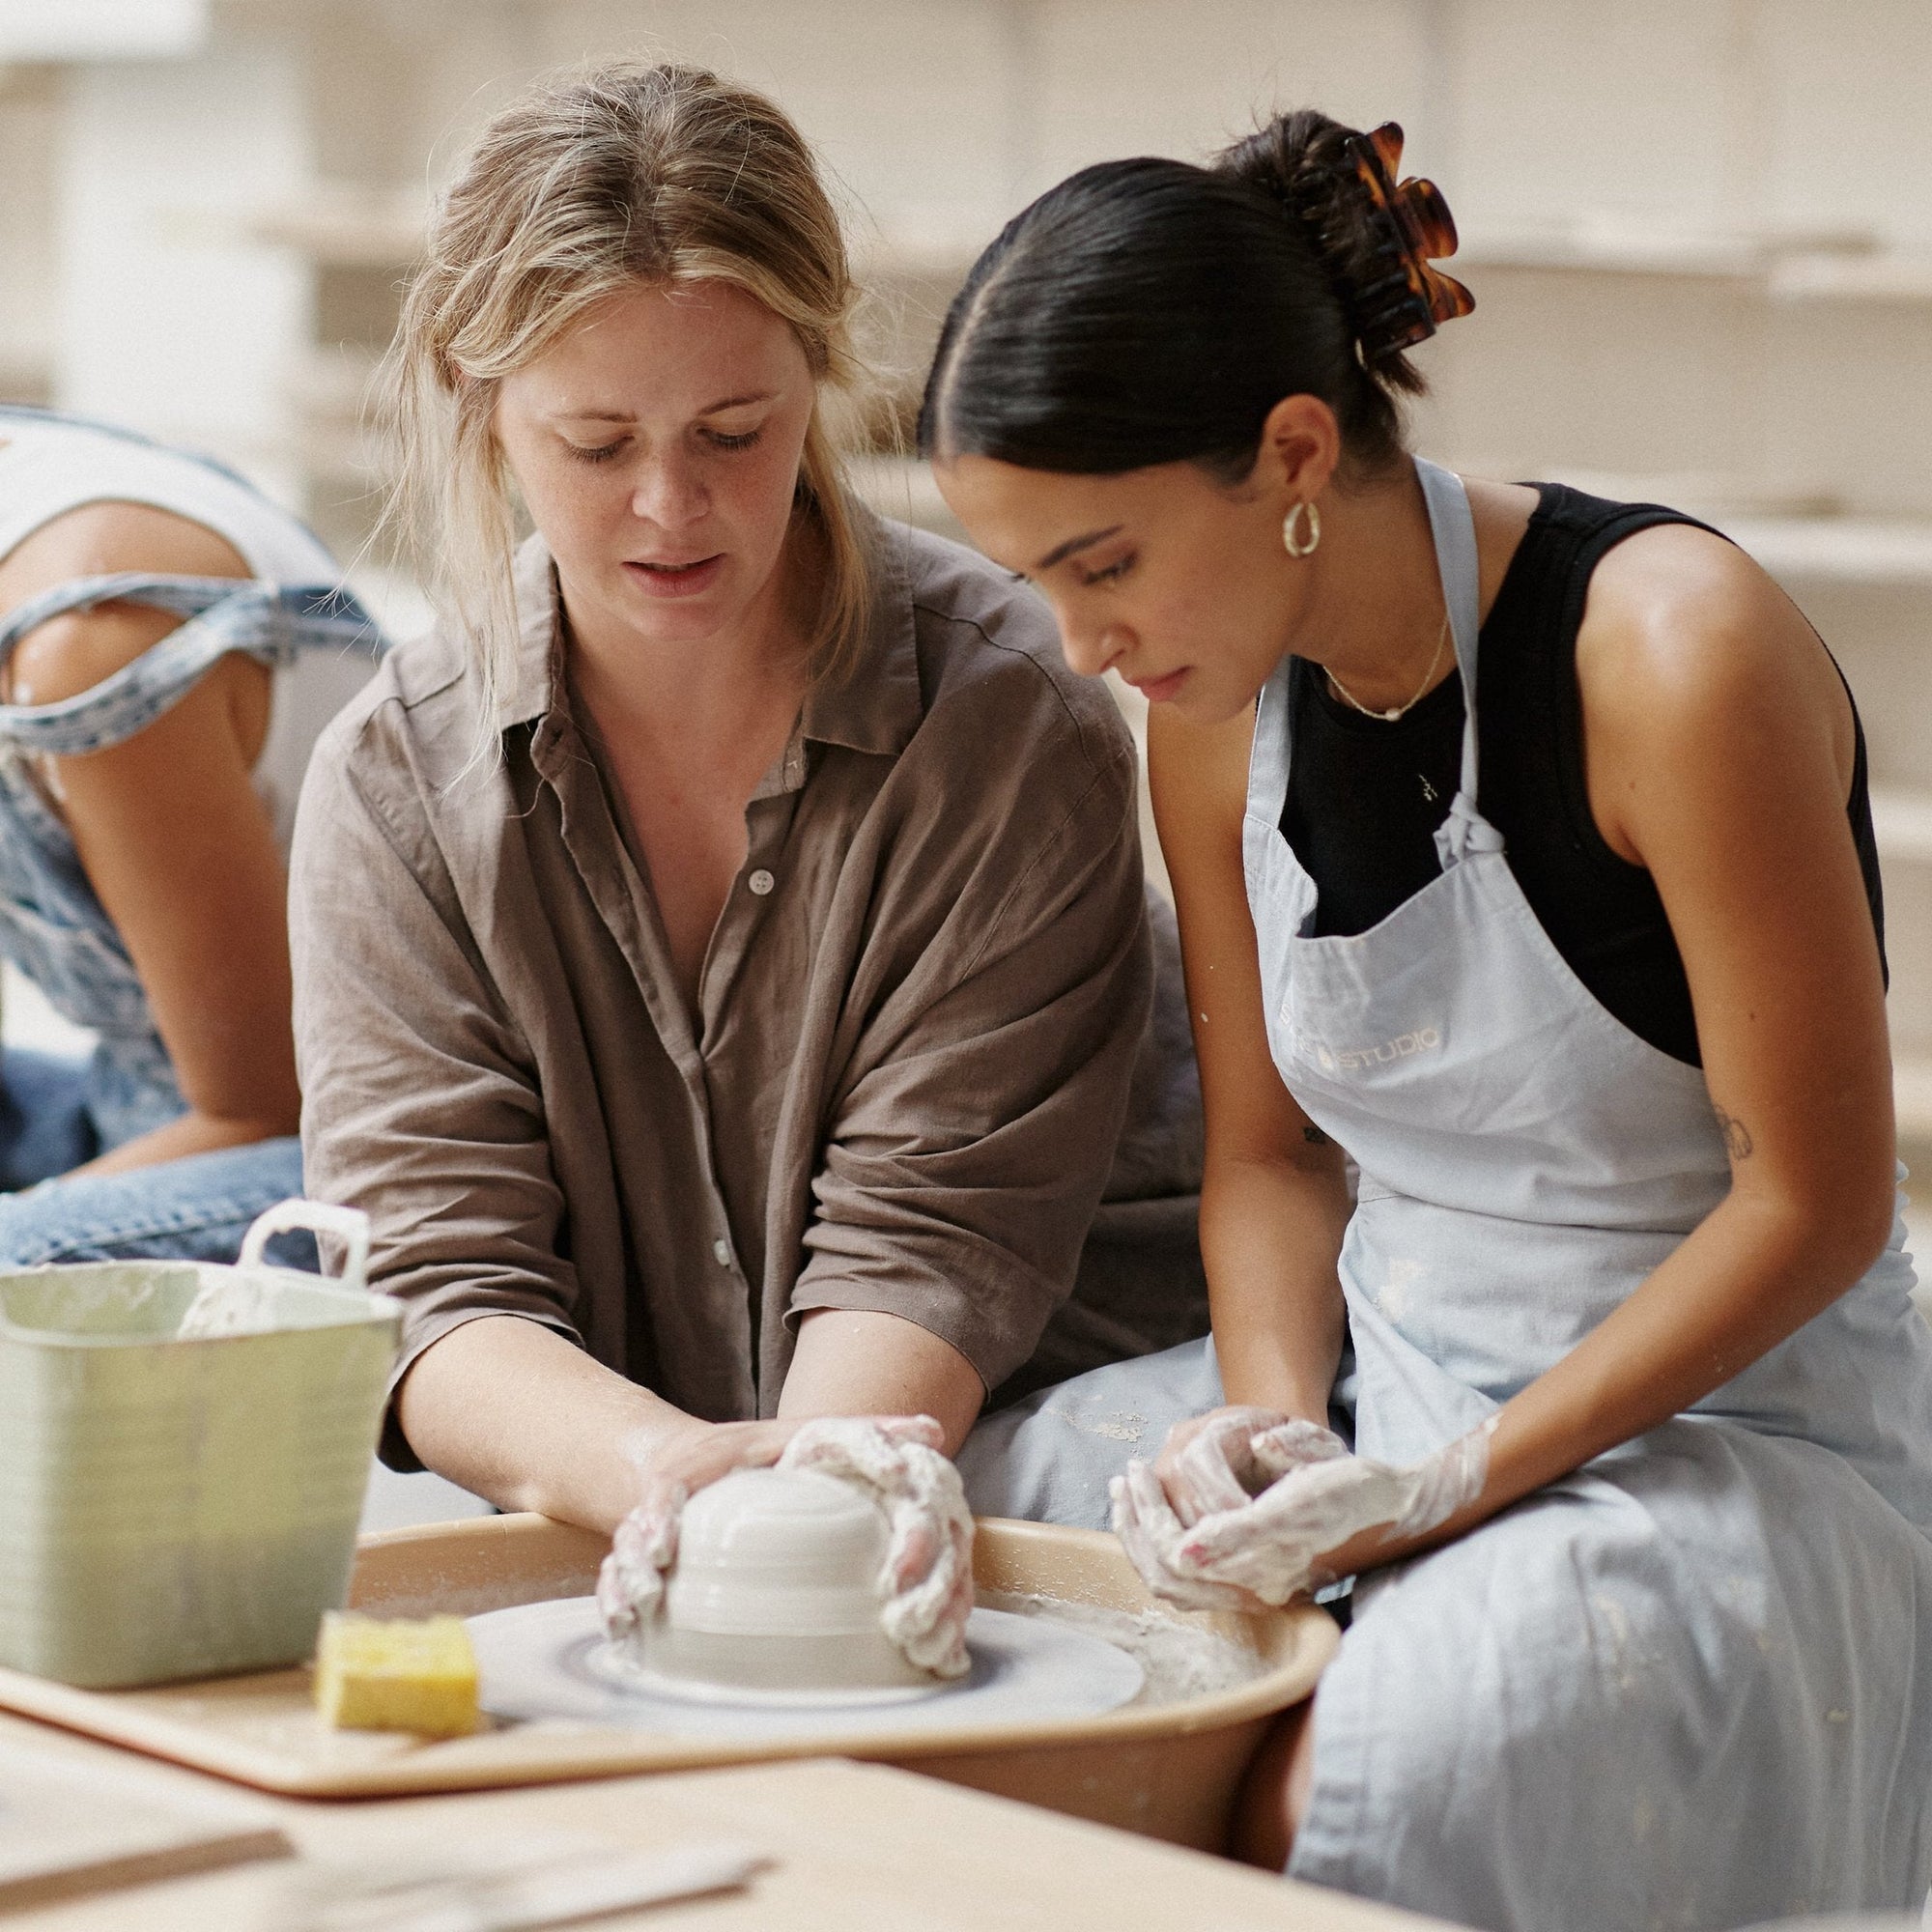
(220, 615)
(1453, 530)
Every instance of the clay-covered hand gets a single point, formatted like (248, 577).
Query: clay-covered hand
(632, 1578)
(1272, 1548)
(926, 1584)
(670, 1470)
(1210, 1466)
(1228, 1457)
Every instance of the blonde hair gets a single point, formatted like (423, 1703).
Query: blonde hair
(588, 184)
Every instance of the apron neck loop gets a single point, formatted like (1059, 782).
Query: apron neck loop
(218, 615)
(1453, 530)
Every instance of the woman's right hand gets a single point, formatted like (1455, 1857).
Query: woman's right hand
(688, 1454)
(1326, 1512)
(1225, 1459)
(1211, 1465)
(672, 1462)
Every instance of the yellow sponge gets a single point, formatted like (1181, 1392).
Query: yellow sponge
(372, 1675)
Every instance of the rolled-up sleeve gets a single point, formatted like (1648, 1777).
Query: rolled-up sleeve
(420, 1103)
(972, 1137)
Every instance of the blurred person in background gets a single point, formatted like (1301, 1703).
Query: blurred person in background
(171, 642)
(718, 1034)
(1573, 944)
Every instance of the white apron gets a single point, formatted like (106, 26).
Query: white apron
(1689, 1686)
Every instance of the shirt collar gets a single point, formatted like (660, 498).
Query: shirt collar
(527, 694)
(876, 707)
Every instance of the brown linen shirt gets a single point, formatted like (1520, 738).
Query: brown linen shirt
(924, 1049)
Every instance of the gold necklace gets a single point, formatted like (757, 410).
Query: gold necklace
(1394, 712)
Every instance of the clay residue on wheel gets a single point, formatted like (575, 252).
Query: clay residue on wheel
(1180, 1661)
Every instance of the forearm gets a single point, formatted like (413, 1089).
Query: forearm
(190, 1133)
(859, 1362)
(513, 1411)
(1752, 1273)
(1270, 1235)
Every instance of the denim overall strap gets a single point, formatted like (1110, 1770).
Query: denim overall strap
(222, 614)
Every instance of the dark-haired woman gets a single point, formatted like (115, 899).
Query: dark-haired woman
(1540, 882)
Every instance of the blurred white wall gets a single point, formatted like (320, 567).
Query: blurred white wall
(1695, 229)
(1691, 222)
(77, 30)
(171, 313)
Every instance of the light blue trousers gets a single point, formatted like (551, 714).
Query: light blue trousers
(196, 1209)
(1050, 1457)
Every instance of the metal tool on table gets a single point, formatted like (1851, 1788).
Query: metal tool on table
(497, 1886)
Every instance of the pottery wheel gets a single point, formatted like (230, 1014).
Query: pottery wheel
(549, 1662)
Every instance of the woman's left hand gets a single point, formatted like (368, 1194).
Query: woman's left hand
(926, 1584)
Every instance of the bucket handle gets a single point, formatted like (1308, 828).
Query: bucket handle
(319, 1217)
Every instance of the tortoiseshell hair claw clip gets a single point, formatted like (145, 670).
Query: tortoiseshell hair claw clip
(1408, 302)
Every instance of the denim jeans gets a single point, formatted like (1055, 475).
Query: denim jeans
(195, 1208)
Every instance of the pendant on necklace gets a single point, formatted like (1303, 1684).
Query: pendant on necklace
(1428, 792)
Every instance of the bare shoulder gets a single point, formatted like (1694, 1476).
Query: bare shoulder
(74, 652)
(1502, 512)
(1679, 615)
(1689, 653)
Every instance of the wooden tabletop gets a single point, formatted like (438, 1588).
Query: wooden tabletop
(857, 1847)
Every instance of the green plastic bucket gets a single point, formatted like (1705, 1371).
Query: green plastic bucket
(181, 1504)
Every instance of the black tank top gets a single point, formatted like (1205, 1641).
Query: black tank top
(1365, 796)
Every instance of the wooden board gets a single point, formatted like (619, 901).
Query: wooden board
(70, 1829)
(855, 1846)
(1167, 1770)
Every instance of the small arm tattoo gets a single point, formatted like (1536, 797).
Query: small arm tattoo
(1315, 1137)
(1738, 1143)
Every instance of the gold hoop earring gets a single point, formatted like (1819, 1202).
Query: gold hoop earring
(1291, 541)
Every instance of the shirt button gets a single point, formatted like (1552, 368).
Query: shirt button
(761, 882)
(721, 1249)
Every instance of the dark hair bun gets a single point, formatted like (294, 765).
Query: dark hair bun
(1372, 237)
(1148, 311)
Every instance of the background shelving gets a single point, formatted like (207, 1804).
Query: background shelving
(1703, 275)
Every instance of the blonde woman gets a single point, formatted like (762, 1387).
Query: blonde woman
(718, 1033)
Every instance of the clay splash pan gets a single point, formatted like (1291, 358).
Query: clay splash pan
(1169, 1769)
